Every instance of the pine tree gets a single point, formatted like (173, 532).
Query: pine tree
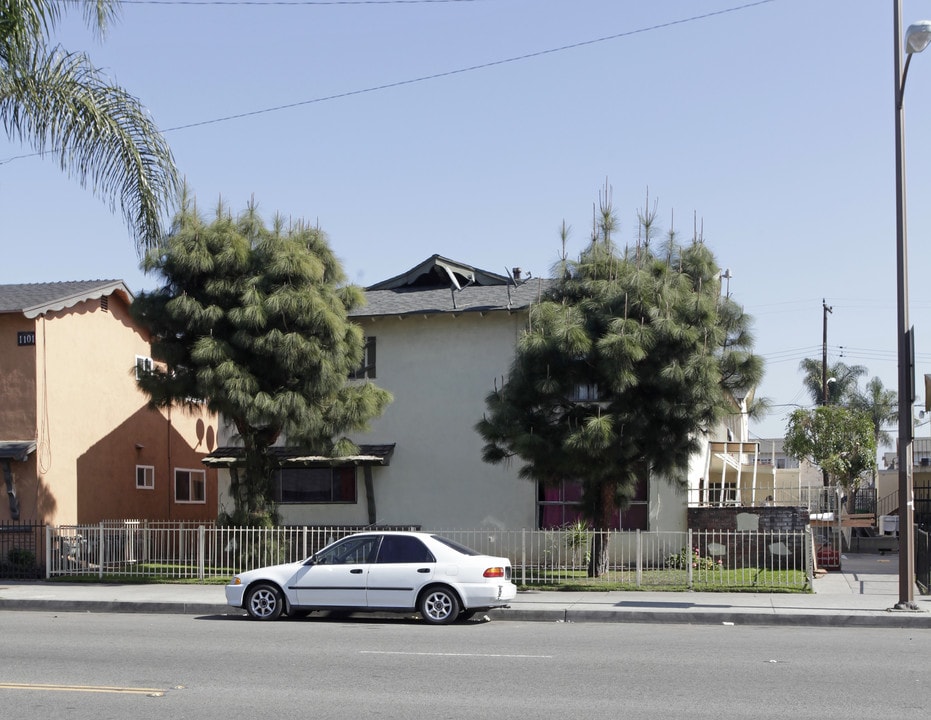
(628, 358)
(254, 322)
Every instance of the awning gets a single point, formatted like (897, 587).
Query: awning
(18, 450)
(301, 457)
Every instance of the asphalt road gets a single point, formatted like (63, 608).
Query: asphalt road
(100, 666)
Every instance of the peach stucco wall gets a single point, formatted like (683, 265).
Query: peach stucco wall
(17, 380)
(93, 428)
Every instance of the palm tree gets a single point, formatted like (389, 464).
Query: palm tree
(58, 102)
(842, 381)
(881, 405)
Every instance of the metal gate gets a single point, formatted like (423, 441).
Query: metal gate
(22, 550)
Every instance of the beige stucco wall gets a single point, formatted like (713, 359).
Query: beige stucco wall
(92, 426)
(439, 368)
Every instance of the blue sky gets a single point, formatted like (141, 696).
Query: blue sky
(771, 123)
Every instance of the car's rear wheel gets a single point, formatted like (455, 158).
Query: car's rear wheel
(264, 602)
(438, 605)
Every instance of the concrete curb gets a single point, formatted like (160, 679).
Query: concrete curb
(874, 619)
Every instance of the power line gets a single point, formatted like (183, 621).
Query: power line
(411, 81)
(471, 68)
(291, 2)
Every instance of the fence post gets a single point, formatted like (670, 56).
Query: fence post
(688, 555)
(639, 550)
(48, 551)
(201, 535)
(809, 560)
(100, 552)
(523, 556)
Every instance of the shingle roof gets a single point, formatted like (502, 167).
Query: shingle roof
(440, 285)
(36, 298)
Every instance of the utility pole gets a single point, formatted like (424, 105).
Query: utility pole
(824, 352)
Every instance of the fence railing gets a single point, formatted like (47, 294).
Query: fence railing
(923, 560)
(818, 499)
(634, 559)
(21, 546)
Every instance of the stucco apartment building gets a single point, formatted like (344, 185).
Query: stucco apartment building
(77, 442)
(439, 337)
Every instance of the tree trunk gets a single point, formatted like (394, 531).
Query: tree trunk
(598, 562)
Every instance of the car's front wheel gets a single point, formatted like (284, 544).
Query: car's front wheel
(438, 605)
(264, 602)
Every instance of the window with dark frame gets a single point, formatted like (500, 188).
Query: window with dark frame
(190, 486)
(366, 371)
(316, 485)
(561, 505)
(403, 549)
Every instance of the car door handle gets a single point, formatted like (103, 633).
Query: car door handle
(356, 571)
(423, 570)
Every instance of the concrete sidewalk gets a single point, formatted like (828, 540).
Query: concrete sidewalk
(862, 594)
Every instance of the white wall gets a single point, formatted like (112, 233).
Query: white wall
(439, 369)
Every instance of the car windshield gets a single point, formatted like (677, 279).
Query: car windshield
(455, 546)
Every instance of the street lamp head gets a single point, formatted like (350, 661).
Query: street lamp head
(918, 36)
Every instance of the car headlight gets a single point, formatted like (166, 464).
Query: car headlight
(236, 580)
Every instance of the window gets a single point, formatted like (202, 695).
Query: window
(143, 365)
(190, 486)
(403, 549)
(585, 392)
(145, 477)
(316, 485)
(561, 505)
(366, 370)
(351, 551)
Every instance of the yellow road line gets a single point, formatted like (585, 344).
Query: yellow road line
(155, 692)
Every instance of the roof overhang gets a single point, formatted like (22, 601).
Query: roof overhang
(18, 450)
(300, 457)
(71, 299)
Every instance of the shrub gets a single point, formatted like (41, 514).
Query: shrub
(681, 560)
(21, 558)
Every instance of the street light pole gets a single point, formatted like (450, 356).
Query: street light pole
(917, 39)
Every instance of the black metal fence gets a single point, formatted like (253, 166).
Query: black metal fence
(22, 550)
(923, 560)
(923, 507)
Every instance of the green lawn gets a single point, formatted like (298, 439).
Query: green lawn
(671, 579)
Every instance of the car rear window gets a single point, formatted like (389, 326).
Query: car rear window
(455, 546)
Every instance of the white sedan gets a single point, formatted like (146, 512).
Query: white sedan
(379, 571)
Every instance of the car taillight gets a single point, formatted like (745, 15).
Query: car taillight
(494, 572)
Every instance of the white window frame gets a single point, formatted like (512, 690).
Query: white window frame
(148, 477)
(191, 474)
